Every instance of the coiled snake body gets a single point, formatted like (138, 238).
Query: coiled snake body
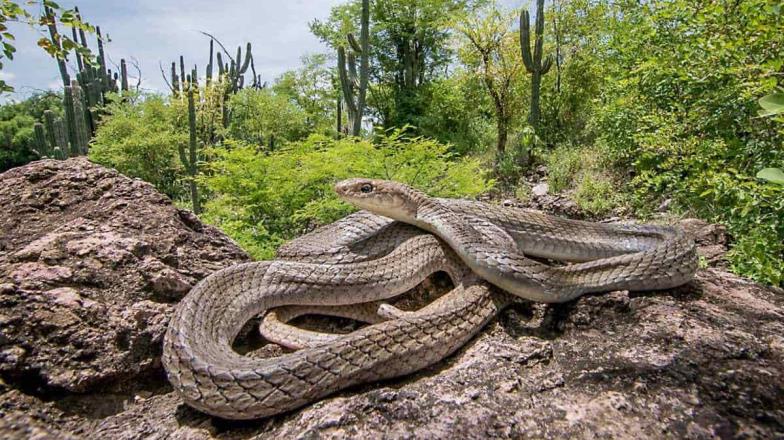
(366, 258)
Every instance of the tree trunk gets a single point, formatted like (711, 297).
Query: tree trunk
(503, 130)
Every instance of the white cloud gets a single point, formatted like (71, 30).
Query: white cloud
(159, 31)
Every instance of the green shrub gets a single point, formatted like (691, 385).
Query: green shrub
(140, 139)
(16, 127)
(564, 167)
(263, 118)
(596, 194)
(261, 199)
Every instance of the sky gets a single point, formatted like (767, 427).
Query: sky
(157, 32)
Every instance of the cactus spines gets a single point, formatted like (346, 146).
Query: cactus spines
(43, 148)
(175, 80)
(533, 62)
(353, 85)
(189, 161)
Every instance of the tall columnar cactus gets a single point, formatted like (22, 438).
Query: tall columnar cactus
(533, 63)
(70, 117)
(61, 138)
(82, 97)
(81, 128)
(42, 146)
(355, 87)
(49, 124)
(209, 64)
(189, 161)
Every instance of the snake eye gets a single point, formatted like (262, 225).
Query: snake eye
(366, 188)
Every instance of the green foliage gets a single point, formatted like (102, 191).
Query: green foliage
(311, 89)
(564, 165)
(456, 113)
(679, 117)
(17, 145)
(261, 199)
(582, 173)
(141, 139)
(773, 175)
(264, 118)
(596, 194)
(410, 42)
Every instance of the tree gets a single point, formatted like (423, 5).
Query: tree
(491, 49)
(311, 88)
(58, 45)
(17, 145)
(264, 118)
(410, 46)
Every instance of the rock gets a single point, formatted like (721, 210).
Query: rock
(79, 351)
(79, 294)
(540, 189)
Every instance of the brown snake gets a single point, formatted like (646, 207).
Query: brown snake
(365, 258)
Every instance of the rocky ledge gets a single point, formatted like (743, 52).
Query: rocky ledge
(92, 264)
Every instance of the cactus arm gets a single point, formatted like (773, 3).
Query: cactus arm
(547, 64)
(352, 41)
(219, 60)
(123, 76)
(539, 34)
(352, 70)
(345, 82)
(248, 57)
(209, 65)
(525, 40)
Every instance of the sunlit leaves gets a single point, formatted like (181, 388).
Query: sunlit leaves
(772, 104)
(773, 175)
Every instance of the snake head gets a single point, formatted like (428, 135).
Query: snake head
(390, 199)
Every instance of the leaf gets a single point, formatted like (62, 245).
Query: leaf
(773, 175)
(772, 104)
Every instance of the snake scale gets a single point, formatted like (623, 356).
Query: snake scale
(349, 267)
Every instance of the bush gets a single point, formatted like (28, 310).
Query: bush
(263, 118)
(16, 128)
(261, 199)
(596, 194)
(564, 166)
(141, 140)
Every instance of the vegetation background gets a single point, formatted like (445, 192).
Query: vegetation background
(668, 105)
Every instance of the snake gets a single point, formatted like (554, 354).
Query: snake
(491, 253)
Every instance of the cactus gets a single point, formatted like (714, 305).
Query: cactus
(189, 161)
(70, 117)
(61, 139)
(83, 96)
(355, 89)
(533, 63)
(209, 65)
(39, 138)
(81, 128)
(123, 76)
(51, 24)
